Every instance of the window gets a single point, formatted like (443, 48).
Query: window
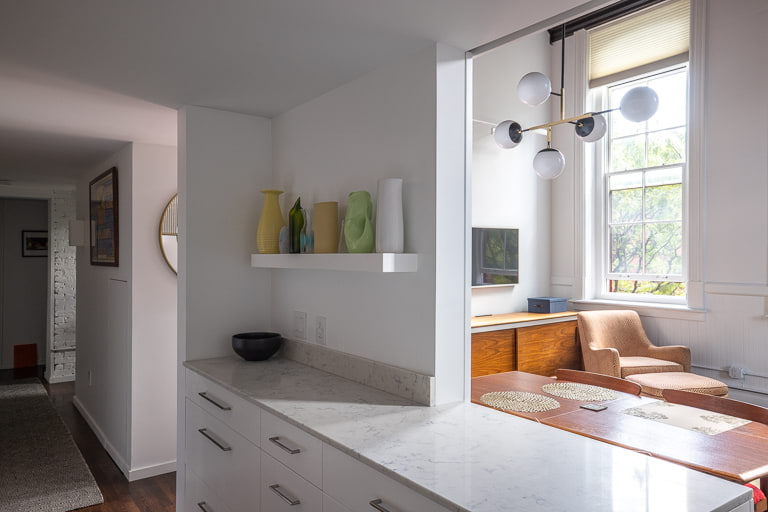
(641, 177)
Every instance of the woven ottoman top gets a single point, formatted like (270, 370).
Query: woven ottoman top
(654, 383)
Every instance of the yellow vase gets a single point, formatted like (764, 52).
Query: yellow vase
(270, 223)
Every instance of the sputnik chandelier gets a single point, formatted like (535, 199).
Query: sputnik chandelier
(637, 105)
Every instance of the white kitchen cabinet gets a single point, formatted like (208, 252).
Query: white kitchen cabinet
(199, 497)
(331, 505)
(360, 487)
(284, 490)
(224, 460)
(292, 446)
(239, 414)
(241, 458)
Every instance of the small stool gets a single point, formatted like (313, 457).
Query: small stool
(654, 384)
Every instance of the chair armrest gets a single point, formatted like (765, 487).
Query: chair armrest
(602, 360)
(675, 353)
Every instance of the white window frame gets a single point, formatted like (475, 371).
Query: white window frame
(599, 101)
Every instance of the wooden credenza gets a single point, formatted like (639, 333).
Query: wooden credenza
(529, 342)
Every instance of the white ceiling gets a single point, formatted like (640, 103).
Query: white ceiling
(117, 70)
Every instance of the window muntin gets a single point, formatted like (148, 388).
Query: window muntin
(643, 183)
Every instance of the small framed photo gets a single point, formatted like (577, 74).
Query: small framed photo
(34, 244)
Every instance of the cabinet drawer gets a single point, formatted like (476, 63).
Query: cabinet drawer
(361, 488)
(282, 489)
(224, 460)
(199, 497)
(224, 405)
(331, 505)
(293, 447)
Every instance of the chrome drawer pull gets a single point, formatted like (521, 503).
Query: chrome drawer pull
(221, 405)
(377, 504)
(292, 451)
(276, 489)
(223, 446)
(204, 507)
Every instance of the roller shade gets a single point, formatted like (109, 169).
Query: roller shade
(654, 37)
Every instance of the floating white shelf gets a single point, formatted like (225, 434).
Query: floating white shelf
(386, 262)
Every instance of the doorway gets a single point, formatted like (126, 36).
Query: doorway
(24, 264)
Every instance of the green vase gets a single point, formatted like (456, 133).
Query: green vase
(295, 225)
(358, 228)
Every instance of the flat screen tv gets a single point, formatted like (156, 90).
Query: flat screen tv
(495, 257)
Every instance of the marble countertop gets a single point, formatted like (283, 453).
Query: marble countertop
(467, 457)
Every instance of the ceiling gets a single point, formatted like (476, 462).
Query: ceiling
(115, 71)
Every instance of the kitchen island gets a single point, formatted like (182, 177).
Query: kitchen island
(461, 457)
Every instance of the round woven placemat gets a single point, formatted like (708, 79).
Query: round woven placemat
(519, 401)
(582, 392)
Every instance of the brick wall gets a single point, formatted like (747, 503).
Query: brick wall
(64, 280)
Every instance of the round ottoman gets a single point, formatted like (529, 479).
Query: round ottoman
(654, 384)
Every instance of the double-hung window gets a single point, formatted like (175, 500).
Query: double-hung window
(643, 190)
(640, 177)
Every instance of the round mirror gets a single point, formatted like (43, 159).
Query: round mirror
(169, 233)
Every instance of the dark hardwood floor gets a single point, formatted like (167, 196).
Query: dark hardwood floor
(156, 494)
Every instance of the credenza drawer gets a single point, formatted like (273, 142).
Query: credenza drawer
(293, 447)
(224, 460)
(224, 405)
(361, 488)
(284, 490)
(199, 497)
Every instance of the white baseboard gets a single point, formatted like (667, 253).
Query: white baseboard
(57, 380)
(111, 450)
(150, 471)
(130, 474)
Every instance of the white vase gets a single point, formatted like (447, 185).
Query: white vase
(389, 215)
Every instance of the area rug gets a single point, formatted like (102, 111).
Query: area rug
(41, 469)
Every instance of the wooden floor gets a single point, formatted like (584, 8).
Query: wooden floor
(157, 494)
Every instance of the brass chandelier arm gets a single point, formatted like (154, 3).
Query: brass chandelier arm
(548, 126)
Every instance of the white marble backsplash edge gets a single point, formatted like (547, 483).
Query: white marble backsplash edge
(397, 381)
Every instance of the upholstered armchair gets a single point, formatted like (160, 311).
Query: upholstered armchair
(614, 343)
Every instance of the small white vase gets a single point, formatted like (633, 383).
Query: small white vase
(389, 215)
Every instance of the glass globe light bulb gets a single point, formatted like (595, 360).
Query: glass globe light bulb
(534, 88)
(639, 104)
(592, 129)
(507, 134)
(549, 163)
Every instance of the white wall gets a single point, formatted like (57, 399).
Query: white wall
(23, 281)
(379, 126)
(104, 311)
(225, 160)
(154, 323)
(126, 320)
(405, 120)
(506, 193)
(734, 168)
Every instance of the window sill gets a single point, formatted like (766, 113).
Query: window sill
(655, 310)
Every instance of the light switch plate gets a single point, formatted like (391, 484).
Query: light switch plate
(320, 330)
(300, 325)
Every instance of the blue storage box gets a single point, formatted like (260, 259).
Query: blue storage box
(547, 304)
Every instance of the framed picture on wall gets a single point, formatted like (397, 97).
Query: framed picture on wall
(34, 244)
(104, 208)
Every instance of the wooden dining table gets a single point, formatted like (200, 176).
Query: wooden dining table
(739, 454)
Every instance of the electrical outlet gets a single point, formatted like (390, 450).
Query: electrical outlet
(300, 325)
(320, 330)
(736, 372)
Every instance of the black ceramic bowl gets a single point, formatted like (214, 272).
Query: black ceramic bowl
(256, 346)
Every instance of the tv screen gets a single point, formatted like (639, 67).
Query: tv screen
(495, 259)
